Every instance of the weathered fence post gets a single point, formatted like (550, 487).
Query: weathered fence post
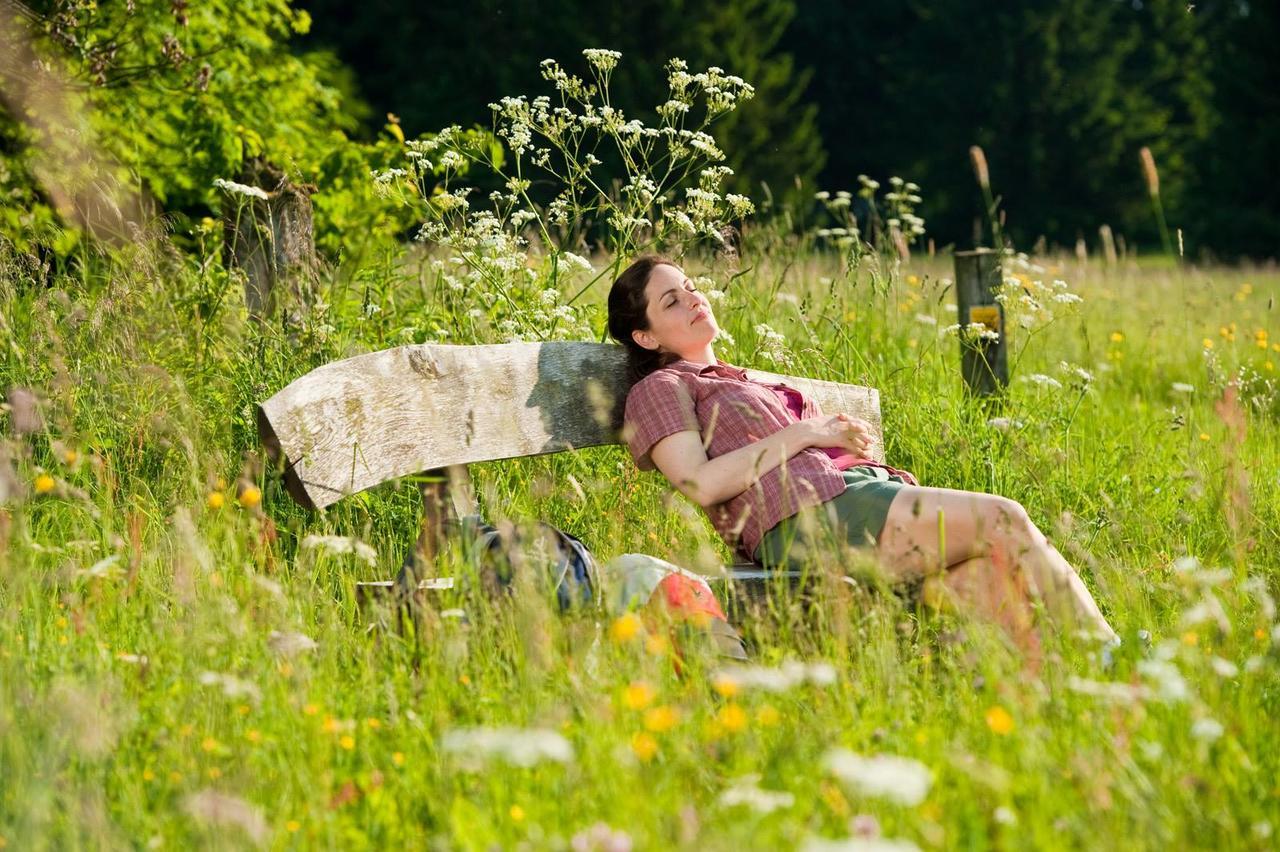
(272, 240)
(983, 361)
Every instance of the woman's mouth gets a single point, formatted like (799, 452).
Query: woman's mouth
(700, 314)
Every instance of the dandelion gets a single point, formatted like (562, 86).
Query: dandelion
(516, 746)
(347, 742)
(292, 826)
(250, 497)
(897, 779)
(232, 188)
(732, 718)
(1117, 337)
(999, 720)
(44, 483)
(625, 628)
(638, 695)
(661, 719)
(644, 746)
(338, 545)
(215, 500)
(1204, 436)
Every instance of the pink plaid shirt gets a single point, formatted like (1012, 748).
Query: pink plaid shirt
(730, 411)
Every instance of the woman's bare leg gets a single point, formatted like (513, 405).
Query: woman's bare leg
(913, 544)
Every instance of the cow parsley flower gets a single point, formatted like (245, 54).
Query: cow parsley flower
(516, 746)
(232, 188)
(897, 779)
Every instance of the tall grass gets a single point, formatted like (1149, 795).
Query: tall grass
(153, 691)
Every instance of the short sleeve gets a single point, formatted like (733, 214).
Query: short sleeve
(659, 405)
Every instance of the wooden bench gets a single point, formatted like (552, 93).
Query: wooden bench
(434, 409)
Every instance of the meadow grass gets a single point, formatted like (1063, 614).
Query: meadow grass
(146, 558)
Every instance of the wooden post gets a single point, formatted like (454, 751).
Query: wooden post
(272, 241)
(983, 362)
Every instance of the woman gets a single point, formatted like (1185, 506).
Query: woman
(762, 461)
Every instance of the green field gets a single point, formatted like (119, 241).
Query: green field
(147, 558)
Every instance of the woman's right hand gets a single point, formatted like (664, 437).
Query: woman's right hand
(838, 430)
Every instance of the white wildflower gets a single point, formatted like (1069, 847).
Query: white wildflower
(1075, 372)
(290, 644)
(1067, 298)
(338, 544)
(1207, 729)
(577, 260)
(859, 844)
(232, 686)
(223, 809)
(790, 674)
(1004, 816)
(108, 567)
(516, 746)
(1119, 693)
(1005, 424)
(746, 791)
(926, 319)
(1182, 387)
(1042, 380)
(1169, 684)
(232, 188)
(1224, 668)
(898, 779)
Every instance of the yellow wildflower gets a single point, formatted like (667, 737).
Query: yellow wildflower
(913, 280)
(250, 497)
(768, 716)
(1117, 337)
(70, 456)
(208, 744)
(215, 500)
(1190, 638)
(656, 644)
(348, 742)
(625, 628)
(732, 718)
(726, 686)
(292, 826)
(644, 746)
(661, 719)
(398, 758)
(148, 775)
(253, 735)
(374, 724)
(638, 695)
(999, 720)
(1207, 343)
(44, 483)
(214, 772)
(311, 709)
(517, 813)
(1204, 436)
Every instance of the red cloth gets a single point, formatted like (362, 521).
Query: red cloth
(730, 411)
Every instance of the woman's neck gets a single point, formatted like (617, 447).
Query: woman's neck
(704, 355)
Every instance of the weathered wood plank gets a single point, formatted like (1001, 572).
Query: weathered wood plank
(356, 423)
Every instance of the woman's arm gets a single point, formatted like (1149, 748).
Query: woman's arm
(708, 482)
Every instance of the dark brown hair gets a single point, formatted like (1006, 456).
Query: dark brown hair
(627, 305)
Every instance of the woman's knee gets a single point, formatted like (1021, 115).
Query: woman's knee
(1006, 520)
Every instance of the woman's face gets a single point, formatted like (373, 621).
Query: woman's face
(680, 318)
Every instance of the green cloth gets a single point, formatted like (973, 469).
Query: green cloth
(858, 514)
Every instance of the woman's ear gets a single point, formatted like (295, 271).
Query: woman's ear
(644, 339)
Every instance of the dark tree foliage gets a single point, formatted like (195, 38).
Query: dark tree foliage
(441, 64)
(1060, 95)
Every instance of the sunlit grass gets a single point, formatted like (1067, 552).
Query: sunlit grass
(156, 685)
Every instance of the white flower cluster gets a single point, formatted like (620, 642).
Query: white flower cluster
(790, 674)
(747, 791)
(897, 779)
(772, 345)
(515, 746)
(337, 544)
(232, 188)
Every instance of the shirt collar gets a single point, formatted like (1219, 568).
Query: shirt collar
(719, 368)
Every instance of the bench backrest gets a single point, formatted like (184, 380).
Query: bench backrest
(357, 423)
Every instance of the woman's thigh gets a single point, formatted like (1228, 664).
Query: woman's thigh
(914, 542)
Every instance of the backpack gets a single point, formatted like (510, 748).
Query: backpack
(497, 554)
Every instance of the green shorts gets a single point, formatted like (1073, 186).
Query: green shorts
(855, 516)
